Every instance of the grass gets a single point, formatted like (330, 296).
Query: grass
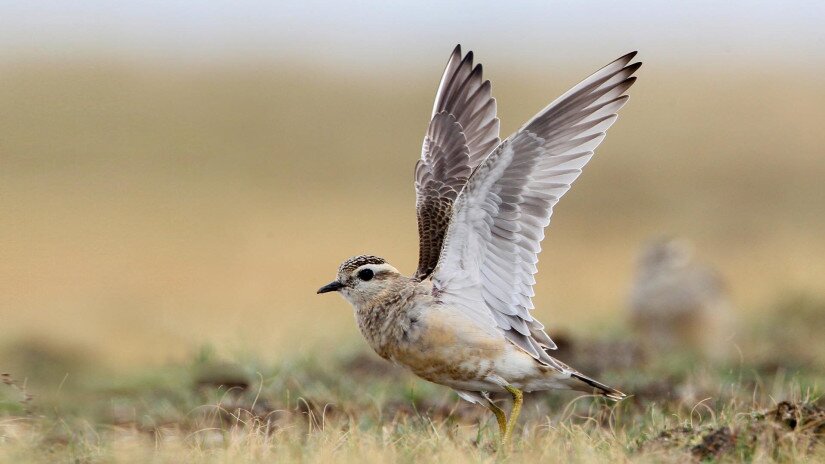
(353, 407)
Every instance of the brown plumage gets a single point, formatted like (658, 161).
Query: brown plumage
(463, 130)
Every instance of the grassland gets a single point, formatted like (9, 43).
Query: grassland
(147, 211)
(352, 407)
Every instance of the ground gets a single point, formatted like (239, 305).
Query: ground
(352, 406)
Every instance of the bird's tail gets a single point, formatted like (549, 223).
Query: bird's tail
(586, 384)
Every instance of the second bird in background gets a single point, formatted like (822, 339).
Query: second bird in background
(679, 305)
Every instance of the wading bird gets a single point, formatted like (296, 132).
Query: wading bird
(463, 319)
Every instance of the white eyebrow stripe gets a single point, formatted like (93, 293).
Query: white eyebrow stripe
(377, 269)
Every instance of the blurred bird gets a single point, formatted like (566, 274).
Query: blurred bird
(678, 304)
(463, 319)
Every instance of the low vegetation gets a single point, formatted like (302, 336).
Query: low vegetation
(352, 406)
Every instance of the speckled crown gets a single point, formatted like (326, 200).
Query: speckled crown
(358, 261)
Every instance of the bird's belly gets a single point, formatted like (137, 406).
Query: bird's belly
(472, 369)
(462, 359)
(465, 368)
(452, 351)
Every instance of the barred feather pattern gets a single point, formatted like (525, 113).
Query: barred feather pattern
(463, 130)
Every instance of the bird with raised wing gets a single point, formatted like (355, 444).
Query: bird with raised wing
(463, 319)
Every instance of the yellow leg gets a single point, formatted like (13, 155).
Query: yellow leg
(518, 399)
(501, 418)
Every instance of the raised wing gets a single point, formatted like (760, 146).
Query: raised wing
(489, 258)
(463, 130)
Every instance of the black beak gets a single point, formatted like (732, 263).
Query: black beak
(331, 287)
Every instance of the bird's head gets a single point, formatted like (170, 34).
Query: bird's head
(361, 279)
(665, 254)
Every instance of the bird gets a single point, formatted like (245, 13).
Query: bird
(677, 304)
(463, 319)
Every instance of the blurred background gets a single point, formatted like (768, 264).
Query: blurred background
(174, 174)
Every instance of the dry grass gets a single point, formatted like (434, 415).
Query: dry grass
(352, 406)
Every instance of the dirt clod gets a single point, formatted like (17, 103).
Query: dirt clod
(800, 416)
(715, 444)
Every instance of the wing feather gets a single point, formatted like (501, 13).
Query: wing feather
(462, 131)
(498, 220)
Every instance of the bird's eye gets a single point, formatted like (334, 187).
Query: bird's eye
(366, 274)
